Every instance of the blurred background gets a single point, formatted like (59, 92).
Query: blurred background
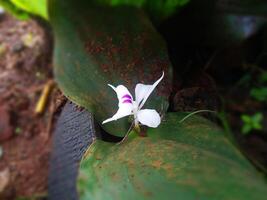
(218, 50)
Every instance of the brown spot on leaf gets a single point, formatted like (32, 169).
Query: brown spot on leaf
(157, 164)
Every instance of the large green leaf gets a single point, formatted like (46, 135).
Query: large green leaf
(14, 10)
(98, 45)
(37, 7)
(190, 160)
(20, 8)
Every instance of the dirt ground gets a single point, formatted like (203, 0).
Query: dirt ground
(25, 135)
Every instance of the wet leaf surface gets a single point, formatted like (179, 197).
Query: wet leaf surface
(189, 160)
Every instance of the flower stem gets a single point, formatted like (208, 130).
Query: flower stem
(127, 134)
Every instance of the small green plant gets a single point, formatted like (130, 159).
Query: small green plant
(259, 94)
(252, 122)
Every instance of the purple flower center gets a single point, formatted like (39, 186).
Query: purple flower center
(127, 101)
(127, 98)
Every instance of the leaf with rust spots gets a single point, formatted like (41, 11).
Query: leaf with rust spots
(157, 163)
(175, 161)
(107, 45)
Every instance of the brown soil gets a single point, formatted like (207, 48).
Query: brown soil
(25, 137)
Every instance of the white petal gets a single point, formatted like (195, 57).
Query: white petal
(124, 110)
(125, 103)
(148, 117)
(142, 91)
(121, 91)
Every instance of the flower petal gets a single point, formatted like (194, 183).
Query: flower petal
(125, 103)
(122, 93)
(124, 110)
(143, 91)
(149, 117)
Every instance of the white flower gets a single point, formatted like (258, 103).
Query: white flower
(127, 106)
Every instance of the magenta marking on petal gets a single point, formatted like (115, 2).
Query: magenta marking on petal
(127, 101)
(127, 96)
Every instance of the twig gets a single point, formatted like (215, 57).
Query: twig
(127, 134)
(41, 104)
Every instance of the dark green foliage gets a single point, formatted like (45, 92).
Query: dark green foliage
(259, 94)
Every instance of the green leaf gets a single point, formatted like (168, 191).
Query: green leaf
(256, 121)
(100, 45)
(252, 122)
(257, 126)
(246, 128)
(21, 8)
(188, 161)
(259, 94)
(14, 10)
(246, 118)
(258, 117)
(37, 7)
